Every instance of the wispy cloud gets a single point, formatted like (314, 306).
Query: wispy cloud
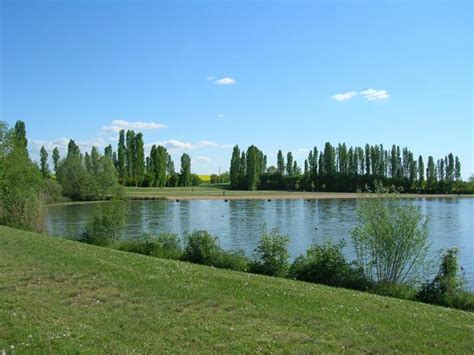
(344, 96)
(118, 125)
(174, 144)
(373, 94)
(220, 115)
(225, 81)
(203, 159)
(211, 77)
(62, 144)
(301, 151)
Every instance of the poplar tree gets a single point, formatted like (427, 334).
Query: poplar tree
(289, 164)
(185, 170)
(44, 162)
(235, 168)
(19, 134)
(56, 158)
(121, 158)
(431, 174)
(280, 163)
(243, 170)
(130, 150)
(94, 163)
(139, 160)
(253, 168)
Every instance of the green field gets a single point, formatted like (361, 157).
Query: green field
(60, 296)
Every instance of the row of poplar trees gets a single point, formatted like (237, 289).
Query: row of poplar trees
(82, 176)
(339, 168)
(155, 170)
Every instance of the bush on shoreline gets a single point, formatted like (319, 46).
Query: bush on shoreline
(325, 264)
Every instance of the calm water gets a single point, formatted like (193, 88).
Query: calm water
(238, 223)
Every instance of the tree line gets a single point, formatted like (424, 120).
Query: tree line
(128, 165)
(342, 169)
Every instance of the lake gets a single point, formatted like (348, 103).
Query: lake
(238, 223)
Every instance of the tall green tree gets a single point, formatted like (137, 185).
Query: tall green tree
(139, 160)
(289, 164)
(121, 158)
(329, 158)
(235, 168)
(21, 204)
(44, 162)
(253, 167)
(19, 134)
(185, 176)
(280, 163)
(95, 156)
(56, 159)
(431, 174)
(72, 173)
(159, 162)
(130, 151)
(109, 152)
(421, 170)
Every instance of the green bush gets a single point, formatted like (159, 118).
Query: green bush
(271, 254)
(325, 264)
(391, 238)
(165, 245)
(232, 260)
(201, 248)
(107, 226)
(447, 288)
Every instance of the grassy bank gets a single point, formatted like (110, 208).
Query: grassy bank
(220, 192)
(62, 296)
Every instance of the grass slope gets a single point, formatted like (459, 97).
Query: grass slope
(62, 296)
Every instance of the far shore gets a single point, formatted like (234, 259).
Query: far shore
(280, 196)
(211, 193)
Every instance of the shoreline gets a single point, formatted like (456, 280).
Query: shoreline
(285, 196)
(258, 195)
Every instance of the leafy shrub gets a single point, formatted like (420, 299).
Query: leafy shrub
(107, 225)
(271, 254)
(167, 246)
(51, 192)
(326, 264)
(391, 238)
(447, 288)
(232, 260)
(201, 248)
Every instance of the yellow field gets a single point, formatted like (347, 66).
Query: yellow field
(205, 178)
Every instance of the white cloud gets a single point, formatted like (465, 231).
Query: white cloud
(173, 144)
(225, 81)
(373, 94)
(212, 144)
(118, 125)
(344, 96)
(211, 77)
(203, 159)
(301, 151)
(220, 115)
(62, 143)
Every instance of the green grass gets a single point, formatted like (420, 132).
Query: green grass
(60, 296)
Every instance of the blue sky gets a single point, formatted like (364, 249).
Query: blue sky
(83, 69)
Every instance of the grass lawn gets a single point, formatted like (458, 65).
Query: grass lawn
(60, 296)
